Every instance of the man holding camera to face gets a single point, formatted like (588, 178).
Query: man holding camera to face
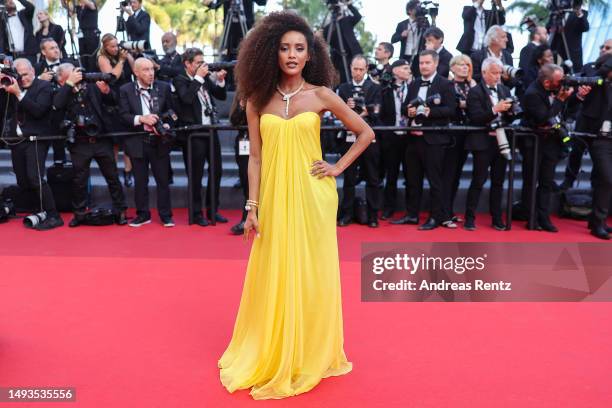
(138, 24)
(88, 34)
(29, 103)
(409, 32)
(17, 38)
(476, 22)
(431, 102)
(80, 101)
(145, 105)
(195, 106)
(363, 96)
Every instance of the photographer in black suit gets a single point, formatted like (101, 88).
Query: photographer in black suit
(425, 151)
(347, 16)
(29, 103)
(138, 24)
(81, 105)
(195, 91)
(22, 43)
(537, 36)
(393, 143)
(142, 104)
(486, 103)
(171, 65)
(543, 102)
(434, 40)
(476, 22)
(363, 96)
(496, 42)
(410, 32)
(576, 23)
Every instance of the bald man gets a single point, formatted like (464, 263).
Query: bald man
(141, 105)
(171, 65)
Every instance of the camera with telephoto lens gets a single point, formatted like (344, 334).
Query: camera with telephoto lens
(576, 81)
(7, 210)
(358, 96)
(515, 110)
(166, 133)
(98, 76)
(513, 72)
(563, 132)
(138, 46)
(218, 66)
(31, 221)
(9, 73)
(421, 104)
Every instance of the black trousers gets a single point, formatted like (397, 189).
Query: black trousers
(87, 49)
(243, 173)
(579, 145)
(601, 153)
(200, 154)
(487, 162)
(369, 161)
(393, 154)
(59, 151)
(544, 164)
(82, 154)
(452, 167)
(159, 162)
(29, 165)
(424, 160)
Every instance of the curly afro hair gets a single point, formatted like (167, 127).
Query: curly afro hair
(257, 71)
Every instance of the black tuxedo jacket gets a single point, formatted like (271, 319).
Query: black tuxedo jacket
(30, 46)
(57, 33)
(443, 64)
(32, 111)
(479, 56)
(65, 97)
(42, 65)
(574, 27)
(480, 113)
(189, 108)
(397, 36)
(169, 67)
(347, 28)
(526, 56)
(469, 18)
(440, 115)
(138, 27)
(130, 105)
(371, 95)
(387, 107)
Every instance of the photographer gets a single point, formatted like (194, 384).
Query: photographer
(434, 39)
(476, 22)
(541, 55)
(81, 104)
(601, 152)
(363, 96)
(138, 23)
(195, 91)
(89, 34)
(537, 36)
(347, 17)
(146, 105)
(29, 102)
(171, 64)
(393, 143)
(543, 103)
(588, 117)
(382, 53)
(487, 102)
(17, 36)
(570, 25)
(431, 102)
(409, 32)
(496, 41)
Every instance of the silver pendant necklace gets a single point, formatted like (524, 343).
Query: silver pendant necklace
(288, 96)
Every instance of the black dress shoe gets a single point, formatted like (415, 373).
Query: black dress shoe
(548, 226)
(121, 218)
(600, 232)
(498, 225)
(201, 221)
(386, 215)
(218, 218)
(128, 178)
(406, 220)
(373, 223)
(469, 224)
(429, 225)
(50, 223)
(238, 229)
(344, 221)
(75, 221)
(606, 228)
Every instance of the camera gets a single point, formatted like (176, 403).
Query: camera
(84, 124)
(421, 104)
(424, 9)
(562, 131)
(10, 73)
(218, 66)
(563, 5)
(382, 76)
(575, 81)
(513, 72)
(166, 134)
(31, 221)
(138, 46)
(358, 96)
(515, 110)
(124, 4)
(7, 210)
(98, 76)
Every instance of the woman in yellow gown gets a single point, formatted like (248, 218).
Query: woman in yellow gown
(288, 333)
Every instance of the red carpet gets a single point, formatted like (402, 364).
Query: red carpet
(138, 318)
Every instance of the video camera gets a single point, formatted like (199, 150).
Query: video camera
(421, 104)
(424, 9)
(557, 6)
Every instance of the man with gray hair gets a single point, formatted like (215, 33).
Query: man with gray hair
(496, 42)
(81, 104)
(171, 65)
(29, 104)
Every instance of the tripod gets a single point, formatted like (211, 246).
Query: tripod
(558, 27)
(6, 31)
(71, 9)
(335, 25)
(120, 24)
(235, 14)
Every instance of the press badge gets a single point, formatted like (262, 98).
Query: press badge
(351, 137)
(243, 147)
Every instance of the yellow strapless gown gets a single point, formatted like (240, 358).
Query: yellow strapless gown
(288, 333)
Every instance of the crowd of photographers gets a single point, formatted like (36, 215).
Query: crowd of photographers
(121, 89)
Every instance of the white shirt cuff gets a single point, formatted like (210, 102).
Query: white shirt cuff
(199, 79)
(221, 84)
(136, 120)
(21, 95)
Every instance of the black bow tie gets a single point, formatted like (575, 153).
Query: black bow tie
(492, 89)
(141, 90)
(53, 65)
(425, 83)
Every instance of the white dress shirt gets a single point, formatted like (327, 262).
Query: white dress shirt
(17, 32)
(145, 102)
(479, 28)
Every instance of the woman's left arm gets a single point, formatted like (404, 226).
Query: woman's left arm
(353, 122)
